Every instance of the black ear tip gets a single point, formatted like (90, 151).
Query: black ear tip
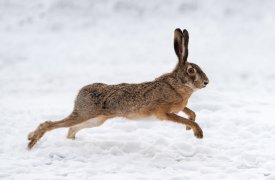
(178, 30)
(185, 31)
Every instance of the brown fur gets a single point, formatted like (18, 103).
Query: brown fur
(162, 98)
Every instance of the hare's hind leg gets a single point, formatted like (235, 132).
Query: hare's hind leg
(94, 122)
(71, 120)
(191, 115)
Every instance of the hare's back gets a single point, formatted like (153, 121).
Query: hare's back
(105, 99)
(125, 98)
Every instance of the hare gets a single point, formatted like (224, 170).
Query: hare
(163, 98)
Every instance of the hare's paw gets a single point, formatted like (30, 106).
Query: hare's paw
(31, 135)
(198, 132)
(71, 133)
(34, 136)
(32, 143)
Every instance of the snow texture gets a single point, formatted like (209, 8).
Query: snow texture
(50, 49)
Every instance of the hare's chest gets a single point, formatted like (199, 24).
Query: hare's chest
(179, 107)
(181, 104)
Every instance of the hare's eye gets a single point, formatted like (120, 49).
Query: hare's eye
(191, 71)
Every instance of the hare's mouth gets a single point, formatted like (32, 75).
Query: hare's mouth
(205, 83)
(200, 84)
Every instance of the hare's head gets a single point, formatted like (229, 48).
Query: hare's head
(188, 73)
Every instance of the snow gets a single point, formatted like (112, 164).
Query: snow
(50, 49)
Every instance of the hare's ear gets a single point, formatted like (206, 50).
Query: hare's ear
(181, 39)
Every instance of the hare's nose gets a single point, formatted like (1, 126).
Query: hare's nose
(205, 83)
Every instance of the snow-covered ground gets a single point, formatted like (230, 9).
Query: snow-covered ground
(50, 49)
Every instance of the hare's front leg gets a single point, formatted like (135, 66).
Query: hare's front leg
(189, 123)
(191, 115)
